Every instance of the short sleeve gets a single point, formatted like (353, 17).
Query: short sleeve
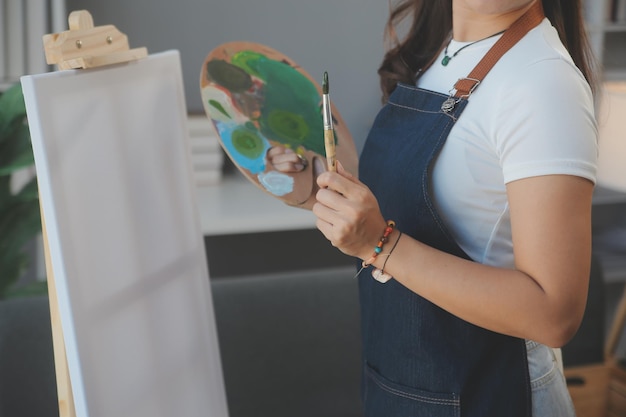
(546, 123)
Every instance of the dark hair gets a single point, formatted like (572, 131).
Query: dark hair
(432, 23)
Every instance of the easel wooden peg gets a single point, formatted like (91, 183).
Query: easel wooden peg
(87, 46)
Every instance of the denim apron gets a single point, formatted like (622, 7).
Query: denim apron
(419, 360)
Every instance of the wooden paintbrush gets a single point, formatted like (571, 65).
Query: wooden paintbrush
(329, 134)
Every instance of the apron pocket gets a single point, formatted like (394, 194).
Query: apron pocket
(384, 398)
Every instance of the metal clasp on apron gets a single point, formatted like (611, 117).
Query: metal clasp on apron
(453, 99)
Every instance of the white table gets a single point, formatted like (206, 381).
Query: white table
(237, 206)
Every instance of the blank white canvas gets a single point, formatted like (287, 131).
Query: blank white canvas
(125, 242)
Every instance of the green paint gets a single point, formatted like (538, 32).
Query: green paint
(219, 108)
(289, 102)
(242, 58)
(287, 91)
(290, 127)
(229, 76)
(247, 142)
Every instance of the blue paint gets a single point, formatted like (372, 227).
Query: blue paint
(254, 165)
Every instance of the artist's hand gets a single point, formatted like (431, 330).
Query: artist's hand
(285, 159)
(348, 213)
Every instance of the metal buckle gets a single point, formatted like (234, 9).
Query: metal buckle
(476, 83)
(451, 101)
(449, 104)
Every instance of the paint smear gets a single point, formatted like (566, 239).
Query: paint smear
(245, 145)
(276, 182)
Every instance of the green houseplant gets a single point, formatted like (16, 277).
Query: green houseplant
(20, 218)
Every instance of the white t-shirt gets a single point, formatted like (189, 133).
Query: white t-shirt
(532, 115)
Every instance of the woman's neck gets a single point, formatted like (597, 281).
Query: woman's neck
(472, 22)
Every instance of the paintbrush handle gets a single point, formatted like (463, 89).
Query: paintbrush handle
(329, 144)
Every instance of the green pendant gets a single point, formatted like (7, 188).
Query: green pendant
(445, 60)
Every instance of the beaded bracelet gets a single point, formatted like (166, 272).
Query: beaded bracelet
(379, 274)
(379, 247)
(391, 251)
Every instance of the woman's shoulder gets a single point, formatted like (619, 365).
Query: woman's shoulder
(539, 58)
(535, 75)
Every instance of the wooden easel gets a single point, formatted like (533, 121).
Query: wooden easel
(82, 46)
(86, 46)
(64, 385)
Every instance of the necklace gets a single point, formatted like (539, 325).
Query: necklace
(446, 58)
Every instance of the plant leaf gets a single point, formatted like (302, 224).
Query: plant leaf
(16, 151)
(28, 290)
(29, 192)
(20, 217)
(12, 109)
(12, 266)
(5, 189)
(19, 223)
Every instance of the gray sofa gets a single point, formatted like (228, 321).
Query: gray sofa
(289, 344)
(27, 378)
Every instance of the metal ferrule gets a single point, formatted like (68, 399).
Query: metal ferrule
(326, 114)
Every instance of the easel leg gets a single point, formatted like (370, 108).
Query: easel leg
(64, 385)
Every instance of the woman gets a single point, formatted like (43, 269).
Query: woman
(471, 213)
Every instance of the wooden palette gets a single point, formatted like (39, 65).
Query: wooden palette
(257, 99)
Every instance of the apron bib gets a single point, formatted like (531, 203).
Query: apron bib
(418, 359)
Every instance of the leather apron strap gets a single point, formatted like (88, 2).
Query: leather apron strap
(465, 86)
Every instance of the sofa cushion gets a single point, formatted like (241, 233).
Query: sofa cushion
(290, 343)
(27, 378)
